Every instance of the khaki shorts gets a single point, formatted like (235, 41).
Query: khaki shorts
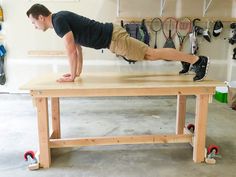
(124, 45)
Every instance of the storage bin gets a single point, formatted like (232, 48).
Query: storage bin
(221, 94)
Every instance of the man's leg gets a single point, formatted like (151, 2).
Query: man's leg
(169, 54)
(199, 63)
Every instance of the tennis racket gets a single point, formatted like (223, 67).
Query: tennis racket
(184, 27)
(156, 25)
(169, 31)
(193, 38)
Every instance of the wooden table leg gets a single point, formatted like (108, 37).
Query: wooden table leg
(180, 115)
(56, 128)
(43, 132)
(200, 128)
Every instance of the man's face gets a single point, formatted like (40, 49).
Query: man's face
(39, 23)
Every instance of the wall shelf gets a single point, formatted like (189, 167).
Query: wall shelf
(203, 19)
(206, 6)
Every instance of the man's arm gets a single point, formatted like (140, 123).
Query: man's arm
(80, 60)
(72, 54)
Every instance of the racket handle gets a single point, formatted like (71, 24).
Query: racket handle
(122, 23)
(180, 47)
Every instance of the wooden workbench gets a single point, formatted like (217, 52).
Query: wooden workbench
(108, 84)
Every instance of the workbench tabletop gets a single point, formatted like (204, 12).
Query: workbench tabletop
(114, 80)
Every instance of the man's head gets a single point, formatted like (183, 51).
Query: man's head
(38, 14)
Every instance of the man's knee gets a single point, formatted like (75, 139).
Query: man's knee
(150, 54)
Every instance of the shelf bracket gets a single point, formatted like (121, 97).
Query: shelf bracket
(117, 8)
(206, 6)
(163, 2)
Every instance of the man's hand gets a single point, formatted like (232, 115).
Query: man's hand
(66, 78)
(69, 75)
(66, 75)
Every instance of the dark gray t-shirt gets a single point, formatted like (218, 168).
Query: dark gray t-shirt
(87, 32)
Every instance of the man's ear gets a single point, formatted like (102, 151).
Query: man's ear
(41, 18)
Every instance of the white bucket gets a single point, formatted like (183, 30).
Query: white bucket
(232, 84)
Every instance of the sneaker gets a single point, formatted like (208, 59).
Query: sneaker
(185, 67)
(200, 68)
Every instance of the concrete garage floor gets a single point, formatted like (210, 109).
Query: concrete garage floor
(114, 116)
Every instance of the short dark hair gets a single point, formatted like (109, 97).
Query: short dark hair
(38, 9)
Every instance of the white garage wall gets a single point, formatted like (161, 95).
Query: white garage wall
(20, 37)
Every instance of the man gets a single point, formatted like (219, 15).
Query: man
(77, 31)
